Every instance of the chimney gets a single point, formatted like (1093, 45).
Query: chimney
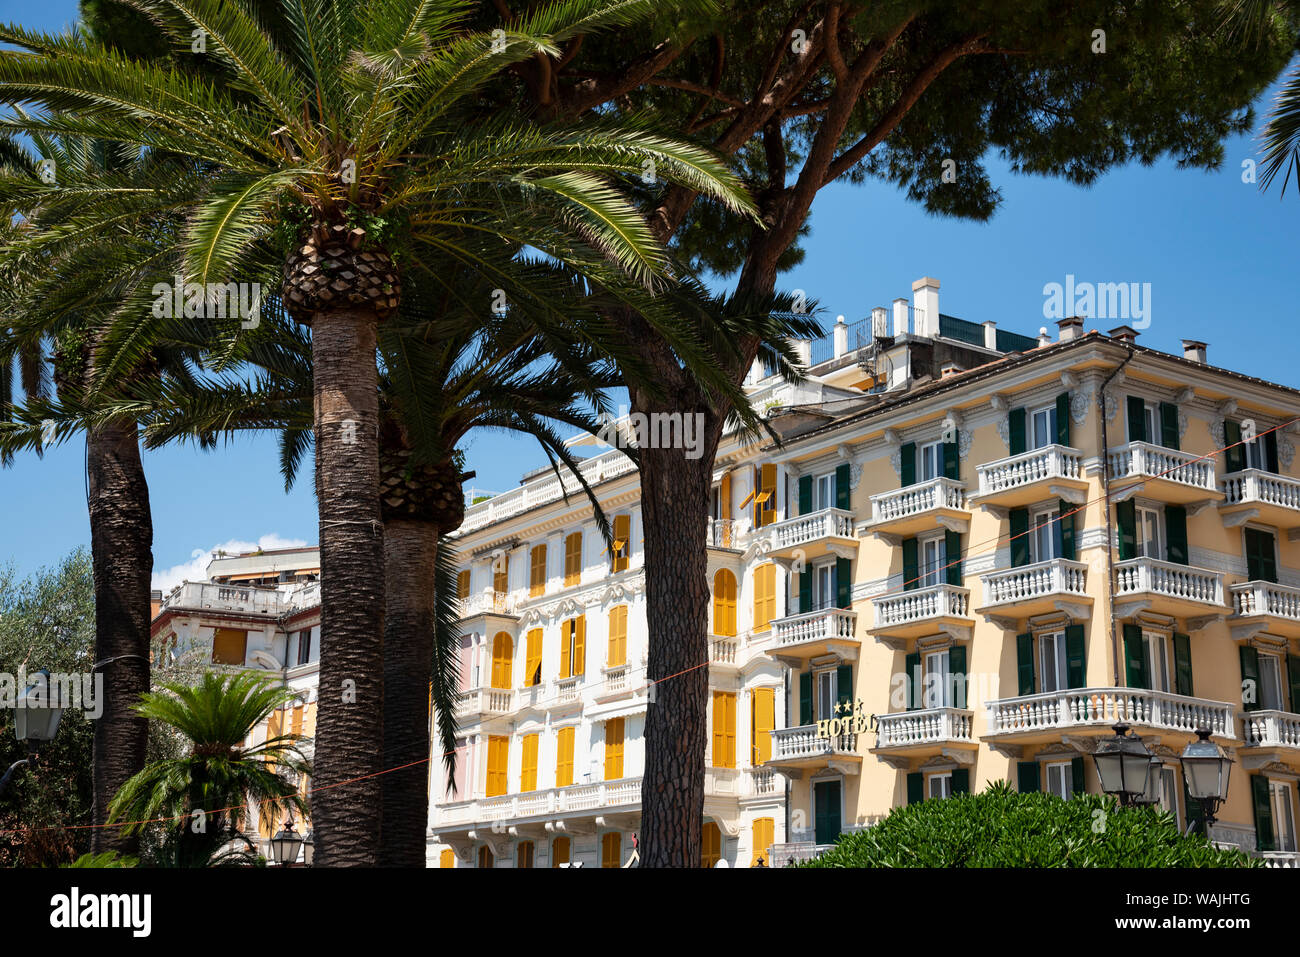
(949, 369)
(900, 317)
(1194, 351)
(1043, 338)
(991, 336)
(879, 322)
(925, 303)
(803, 349)
(1124, 334)
(1071, 328)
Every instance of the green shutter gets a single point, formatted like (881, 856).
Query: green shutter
(805, 698)
(1270, 451)
(1293, 680)
(1063, 419)
(907, 460)
(1137, 420)
(1234, 457)
(1027, 777)
(912, 664)
(1169, 425)
(844, 685)
(1077, 785)
(1066, 519)
(842, 487)
(805, 494)
(1016, 430)
(1264, 839)
(1019, 519)
(911, 564)
(1075, 663)
(952, 556)
(915, 787)
(805, 590)
(960, 781)
(951, 466)
(1183, 664)
(843, 583)
(1126, 516)
(1135, 658)
(1249, 678)
(1176, 534)
(957, 668)
(1261, 556)
(1025, 663)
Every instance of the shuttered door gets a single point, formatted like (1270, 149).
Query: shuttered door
(724, 729)
(826, 811)
(763, 722)
(564, 757)
(533, 658)
(764, 836)
(502, 655)
(498, 758)
(573, 559)
(764, 596)
(618, 636)
(613, 749)
(710, 844)
(724, 604)
(622, 541)
(528, 764)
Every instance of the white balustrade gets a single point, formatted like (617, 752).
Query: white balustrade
(722, 651)
(921, 604)
(1039, 465)
(1144, 460)
(1265, 598)
(1150, 575)
(1252, 485)
(255, 599)
(1057, 576)
(917, 499)
(566, 690)
(828, 624)
(925, 726)
(828, 523)
(1079, 707)
(1271, 729)
(790, 744)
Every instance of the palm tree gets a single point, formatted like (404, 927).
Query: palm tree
(203, 794)
(1253, 21)
(353, 125)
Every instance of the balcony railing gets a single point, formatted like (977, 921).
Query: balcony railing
(828, 523)
(1170, 580)
(1144, 460)
(722, 651)
(1271, 729)
(566, 691)
(1253, 485)
(1080, 707)
(928, 726)
(725, 533)
(917, 499)
(1027, 468)
(1057, 576)
(577, 797)
(792, 744)
(250, 599)
(1250, 599)
(921, 604)
(483, 701)
(830, 624)
(487, 603)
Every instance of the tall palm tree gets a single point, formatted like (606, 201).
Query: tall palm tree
(203, 793)
(350, 124)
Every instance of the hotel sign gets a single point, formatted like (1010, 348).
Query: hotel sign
(854, 720)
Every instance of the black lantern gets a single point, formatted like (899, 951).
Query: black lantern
(285, 844)
(1123, 765)
(309, 848)
(36, 718)
(1206, 767)
(1151, 796)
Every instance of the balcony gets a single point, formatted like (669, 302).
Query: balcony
(1054, 471)
(726, 533)
(816, 633)
(1270, 729)
(724, 653)
(830, 531)
(1264, 606)
(1165, 588)
(518, 809)
(1054, 585)
(906, 735)
(1178, 478)
(566, 694)
(1045, 716)
(1253, 495)
(241, 599)
(920, 612)
(904, 512)
(797, 749)
(487, 604)
(483, 701)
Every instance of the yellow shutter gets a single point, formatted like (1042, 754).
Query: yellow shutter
(724, 729)
(764, 595)
(501, 576)
(611, 850)
(229, 646)
(613, 749)
(580, 646)
(446, 858)
(573, 559)
(537, 572)
(296, 726)
(764, 835)
(769, 494)
(533, 661)
(710, 844)
(559, 851)
(566, 646)
(618, 636)
(564, 758)
(309, 721)
(762, 723)
(484, 857)
(622, 541)
(524, 854)
(462, 587)
(498, 758)
(528, 772)
(724, 496)
(724, 603)
(503, 649)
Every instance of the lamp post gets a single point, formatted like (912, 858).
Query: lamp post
(309, 848)
(36, 719)
(285, 844)
(1206, 768)
(1123, 766)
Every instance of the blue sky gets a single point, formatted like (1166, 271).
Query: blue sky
(1220, 257)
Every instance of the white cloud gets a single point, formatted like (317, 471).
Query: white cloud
(196, 569)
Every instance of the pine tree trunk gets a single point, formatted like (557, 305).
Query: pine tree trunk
(121, 545)
(349, 730)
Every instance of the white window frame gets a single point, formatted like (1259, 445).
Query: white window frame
(1052, 661)
(830, 678)
(1044, 520)
(932, 572)
(1144, 544)
(931, 454)
(1279, 799)
(1151, 417)
(823, 491)
(1271, 682)
(938, 693)
(823, 574)
(1049, 424)
(1159, 661)
(944, 782)
(1066, 774)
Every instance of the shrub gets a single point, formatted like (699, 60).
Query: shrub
(1002, 828)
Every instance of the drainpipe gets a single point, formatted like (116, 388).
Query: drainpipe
(785, 695)
(1105, 483)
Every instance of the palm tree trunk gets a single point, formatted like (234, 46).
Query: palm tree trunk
(349, 731)
(121, 544)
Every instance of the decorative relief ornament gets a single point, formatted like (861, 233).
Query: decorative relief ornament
(1079, 402)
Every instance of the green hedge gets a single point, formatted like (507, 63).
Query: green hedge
(1002, 828)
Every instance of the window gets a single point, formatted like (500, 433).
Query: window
(622, 541)
(724, 729)
(724, 604)
(1149, 533)
(614, 749)
(1157, 649)
(710, 844)
(537, 571)
(764, 837)
(1060, 779)
(573, 647)
(940, 786)
(498, 761)
(827, 691)
(1261, 554)
(824, 492)
(1283, 822)
(764, 495)
(1045, 534)
(533, 658)
(528, 765)
(1042, 427)
(611, 849)
(229, 646)
(573, 559)
(1270, 682)
(295, 725)
(1148, 413)
(764, 596)
(447, 858)
(484, 857)
(823, 595)
(462, 584)
(503, 649)
(559, 851)
(762, 724)
(933, 561)
(564, 757)
(501, 576)
(524, 854)
(304, 646)
(1053, 667)
(938, 689)
(617, 636)
(929, 458)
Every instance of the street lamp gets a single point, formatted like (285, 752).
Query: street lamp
(285, 844)
(1123, 765)
(36, 719)
(1151, 796)
(309, 848)
(1206, 767)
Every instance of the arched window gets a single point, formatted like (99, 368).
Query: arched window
(724, 603)
(503, 649)
(710, 844)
